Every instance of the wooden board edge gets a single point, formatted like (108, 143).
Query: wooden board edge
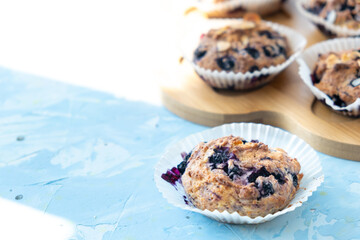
(276, 119)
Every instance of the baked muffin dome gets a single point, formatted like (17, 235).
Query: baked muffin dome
(337, 74)
(247, 46)
(232, 174)
(339, 12)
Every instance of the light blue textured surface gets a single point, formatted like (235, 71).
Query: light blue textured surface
(89, 157)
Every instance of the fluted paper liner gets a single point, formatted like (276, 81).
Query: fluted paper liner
(307, 62)
(274, 137)
(248, 80)
(337, 30)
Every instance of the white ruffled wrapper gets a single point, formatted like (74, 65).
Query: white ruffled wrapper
(262, 7)
(274, 137)
(328, 28)
(307, 62)
(241, 81)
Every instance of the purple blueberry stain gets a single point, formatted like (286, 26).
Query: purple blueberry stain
(174, 174)
(262, 172)
(338, 101)
(253, 68)
(345, 6)
(279, 177)
(219, 160)
(182, 166)
(171, 176)
(266, 189)
(295, 179)
(187, 202)
(267, 34)
(226, 63)
(252, 52)
(220, 157)
(270, 51)
(314, 77)
(235, 172)
(282, 50)
(199, 53)
(317, 9)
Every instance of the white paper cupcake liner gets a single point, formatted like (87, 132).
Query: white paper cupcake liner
(307, 62)
(241, 81)
(328, 28)
(262, 7)
(274, 137)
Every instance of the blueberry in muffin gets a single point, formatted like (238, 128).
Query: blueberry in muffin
(238, 8)
(235, 175)
(337, 74)
(339, 12)
(247, 46)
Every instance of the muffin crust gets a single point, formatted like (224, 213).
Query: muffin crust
(247, 46)
(232, 174)
(340, 12)
(337, 74)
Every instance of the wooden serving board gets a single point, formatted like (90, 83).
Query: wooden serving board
(286, 102)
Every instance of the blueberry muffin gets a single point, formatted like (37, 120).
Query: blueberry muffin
(247, 46)
(337, 74)
(339, 12)
(237, 12)
(238, 8)
(219, 9)
(232, 174)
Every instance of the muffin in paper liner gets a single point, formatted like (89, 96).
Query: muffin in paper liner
(307, 61)
(227, 8)
(241, 81)
(329, 29)
(274, 137)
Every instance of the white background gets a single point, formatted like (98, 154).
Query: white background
(113, 46)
